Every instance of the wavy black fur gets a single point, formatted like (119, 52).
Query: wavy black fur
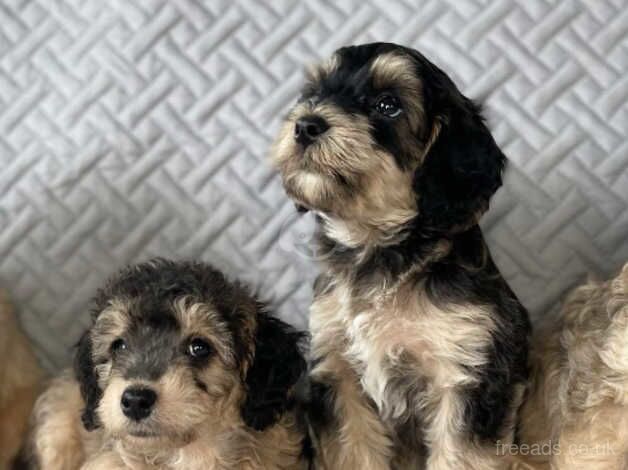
(277, 366)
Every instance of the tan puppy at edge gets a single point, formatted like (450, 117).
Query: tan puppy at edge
(20, 378)
(578, 402)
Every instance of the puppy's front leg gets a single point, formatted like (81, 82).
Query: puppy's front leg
(354, 437)
(450, 446)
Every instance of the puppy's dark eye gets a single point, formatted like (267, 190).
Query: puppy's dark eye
(388, 106)
(118, 345)
(198, 348)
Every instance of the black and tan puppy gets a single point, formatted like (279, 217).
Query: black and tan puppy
(181, 369)
(419, 347)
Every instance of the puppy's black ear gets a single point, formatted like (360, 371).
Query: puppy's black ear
(463, 167)
(277, 366)
(86, 376)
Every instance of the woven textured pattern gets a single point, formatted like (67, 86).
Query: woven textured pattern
(136, 128)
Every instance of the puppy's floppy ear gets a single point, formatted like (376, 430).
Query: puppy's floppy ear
(277, 366)
(463, 166)
(86, 376)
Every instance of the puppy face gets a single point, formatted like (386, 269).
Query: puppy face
(380, 135)
(174, 345)
(163, 368)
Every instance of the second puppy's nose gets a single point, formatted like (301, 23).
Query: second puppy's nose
(307, 129)
(137, 403)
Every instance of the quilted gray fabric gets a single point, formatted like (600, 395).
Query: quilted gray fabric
(135, 128)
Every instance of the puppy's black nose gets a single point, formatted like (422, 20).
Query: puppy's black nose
(307, 129)
(137, 403)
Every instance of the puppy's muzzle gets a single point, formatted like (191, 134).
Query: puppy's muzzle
(137, 402)
(308, 129)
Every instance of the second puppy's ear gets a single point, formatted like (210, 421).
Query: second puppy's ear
(85, 373)
(463, 167)
(277, 366)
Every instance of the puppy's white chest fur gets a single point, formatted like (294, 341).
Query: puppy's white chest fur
(404, 348)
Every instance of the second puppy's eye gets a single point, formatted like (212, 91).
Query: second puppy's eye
(198, 348)
(118, 345)
(388, 106)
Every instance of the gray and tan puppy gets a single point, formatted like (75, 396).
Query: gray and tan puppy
(180, 369)
(20, 379)
(578, 406)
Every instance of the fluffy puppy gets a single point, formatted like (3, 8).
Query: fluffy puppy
(20, 378)
(577, 409)
(419, 347)
(180, 369)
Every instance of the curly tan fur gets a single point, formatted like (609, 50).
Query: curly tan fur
(578, 402)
